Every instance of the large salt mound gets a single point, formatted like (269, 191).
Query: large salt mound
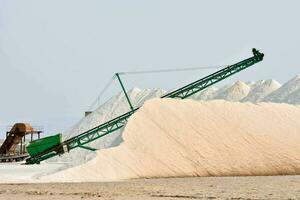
(174, 138)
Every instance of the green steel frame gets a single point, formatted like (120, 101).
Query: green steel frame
(216, 77)
(119, 122)
(98, 131)
(126, 95)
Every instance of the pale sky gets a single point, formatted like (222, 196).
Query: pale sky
(56, 55)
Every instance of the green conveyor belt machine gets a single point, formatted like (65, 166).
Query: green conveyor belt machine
(53, 146)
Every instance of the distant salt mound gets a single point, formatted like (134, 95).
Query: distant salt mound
(176, 138)
(282, 94)
(236, 92)
(207, 94)
(293, 98)
(261, 89)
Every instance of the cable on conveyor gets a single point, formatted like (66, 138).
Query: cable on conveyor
(102, 93)
(146, 72)
(168, 70)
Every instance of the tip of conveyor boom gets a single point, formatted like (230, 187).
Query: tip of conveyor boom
(257, 54)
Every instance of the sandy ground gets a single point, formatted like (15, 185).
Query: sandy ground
(233, 188)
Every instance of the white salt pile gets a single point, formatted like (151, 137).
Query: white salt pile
(175, 138)
(255, 92)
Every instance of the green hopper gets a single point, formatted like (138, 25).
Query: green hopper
(37, 146)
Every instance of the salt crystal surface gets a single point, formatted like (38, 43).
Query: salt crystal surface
(175, 138)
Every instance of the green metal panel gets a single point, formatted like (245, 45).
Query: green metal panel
(37, 146)
(119, 122)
